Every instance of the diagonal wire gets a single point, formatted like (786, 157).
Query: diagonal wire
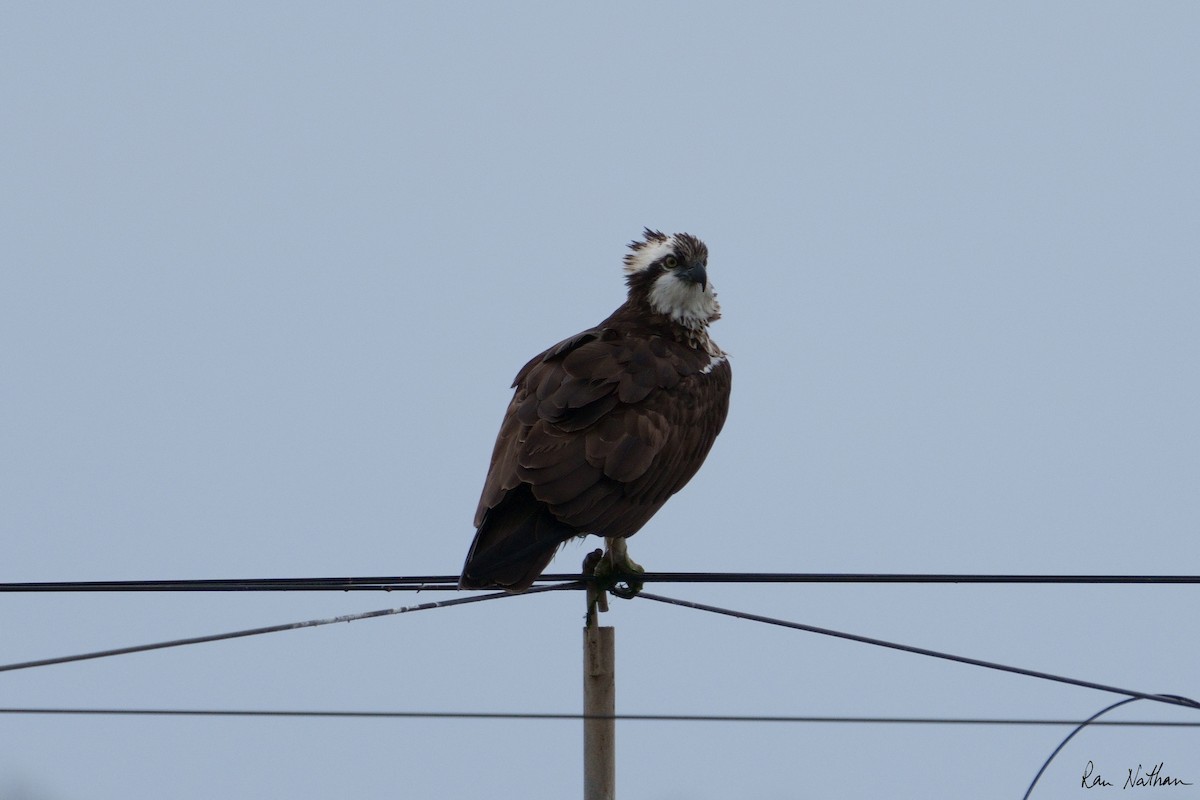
(486, 715)
(1161, 698)
(289, 626)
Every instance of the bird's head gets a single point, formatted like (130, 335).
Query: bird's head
(670, 274)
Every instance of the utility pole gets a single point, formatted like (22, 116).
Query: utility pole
(599, 699)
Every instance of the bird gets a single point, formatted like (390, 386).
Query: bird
(606, 425)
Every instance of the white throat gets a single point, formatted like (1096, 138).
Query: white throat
(684, 301)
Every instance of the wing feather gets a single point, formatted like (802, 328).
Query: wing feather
(605, 426)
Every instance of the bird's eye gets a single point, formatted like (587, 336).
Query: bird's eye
(670, 262)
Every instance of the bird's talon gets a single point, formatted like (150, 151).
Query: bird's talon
(619, 574)
(626, 587)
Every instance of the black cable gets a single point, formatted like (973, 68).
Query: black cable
(189, 712)
(438, 583)
(312, 623)
(1170, 699)
(429, 583)
(1161, 698)
(1089, 721)
(906, 577)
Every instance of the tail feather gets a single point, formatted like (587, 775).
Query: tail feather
(515, 543)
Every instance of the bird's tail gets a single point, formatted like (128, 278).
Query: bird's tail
(515, 543)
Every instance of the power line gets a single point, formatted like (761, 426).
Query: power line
(903, 577)
(312, 623)
(1092, 720)
(437, 583)
(1169, 699)
(485, 715)
(1161, 698)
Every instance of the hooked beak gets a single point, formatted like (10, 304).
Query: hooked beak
(697, 274)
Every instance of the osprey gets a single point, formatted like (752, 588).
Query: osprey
(606, 425)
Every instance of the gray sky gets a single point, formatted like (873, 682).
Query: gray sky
(268, 271)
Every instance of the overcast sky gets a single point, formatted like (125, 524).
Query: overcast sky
(269, 270)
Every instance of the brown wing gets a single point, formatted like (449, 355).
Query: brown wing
(605, 427)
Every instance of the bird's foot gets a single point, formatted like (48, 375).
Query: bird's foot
(617, 572)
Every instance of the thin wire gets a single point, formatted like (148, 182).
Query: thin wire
(312, 623)
(1089, 721)
(440, 583)
(1161, 698)
(191, 712)
(901, 577)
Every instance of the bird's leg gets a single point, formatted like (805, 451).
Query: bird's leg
(619, 571)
